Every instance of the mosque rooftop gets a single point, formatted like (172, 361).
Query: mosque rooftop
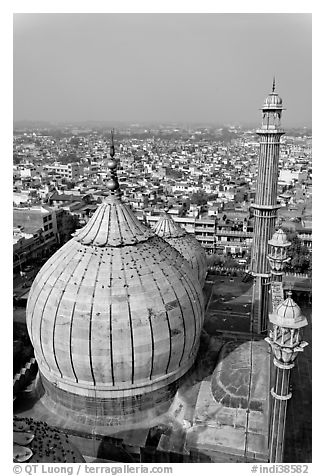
(194, 425)
(42, 443)
(194, 421)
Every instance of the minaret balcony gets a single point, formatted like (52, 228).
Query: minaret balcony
(271, 129)
(284, 357)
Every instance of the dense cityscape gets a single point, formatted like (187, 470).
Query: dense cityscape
(205, 177)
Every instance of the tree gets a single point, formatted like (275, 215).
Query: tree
(212, 196)
(300, 261)
(230, 262)
(16, 159)
(199, 198)
(66, 226)
(215, 260)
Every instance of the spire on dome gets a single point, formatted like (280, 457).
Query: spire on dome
(113, 223)
(273, 86)
(112, 148)
(113, 183)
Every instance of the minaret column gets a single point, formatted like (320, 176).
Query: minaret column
(285, 340)
(265, 208)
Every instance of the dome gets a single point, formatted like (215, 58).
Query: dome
(113, 315)
(272, 101)
(186, 244)
(279, 239)
(288, 314)
(240, 378)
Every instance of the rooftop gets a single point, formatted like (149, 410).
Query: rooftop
(190, 417)
(28, 219)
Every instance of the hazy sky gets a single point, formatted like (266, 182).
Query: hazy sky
(161, 67)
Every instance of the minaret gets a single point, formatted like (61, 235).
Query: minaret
(265, 207)
(286, 342)
(278, 256)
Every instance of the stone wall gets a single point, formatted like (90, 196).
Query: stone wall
(223, 270)
(25, 376)
(106, 411)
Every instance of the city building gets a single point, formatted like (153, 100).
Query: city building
(38, 231)
(68, 171)
(35, 234)
(214, 236)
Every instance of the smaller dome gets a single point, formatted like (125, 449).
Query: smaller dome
(167, 228)
(288, 314)
(279, 239)
(239, 379)
(186, 244)
(272, 100)
(289, 309)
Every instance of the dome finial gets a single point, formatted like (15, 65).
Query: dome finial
(112, 149)
(273, 86)
(113, 184)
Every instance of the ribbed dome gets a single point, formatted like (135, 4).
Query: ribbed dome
(115, 312)
(113, 224)
(288, 314)
(185, 243)
(272, 101)
(167, 228)
(289, 309)
(279, 239)
(240, 377)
